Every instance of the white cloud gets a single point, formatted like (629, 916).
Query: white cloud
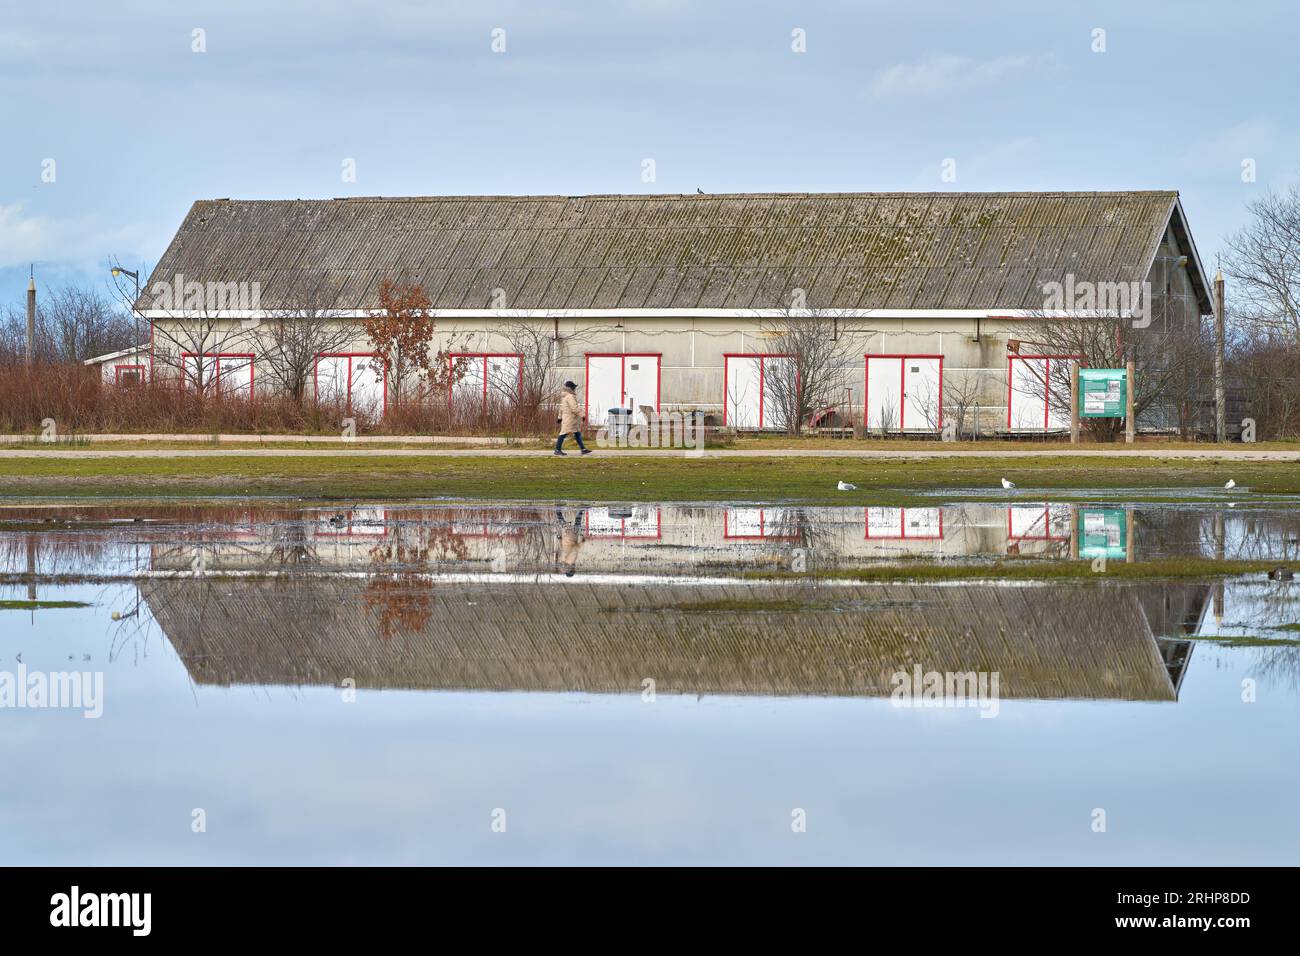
(79, 241)
(938, 73)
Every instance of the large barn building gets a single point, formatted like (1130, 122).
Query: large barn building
(678, 303)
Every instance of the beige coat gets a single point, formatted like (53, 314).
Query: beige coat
(570, 414)
(570, 545)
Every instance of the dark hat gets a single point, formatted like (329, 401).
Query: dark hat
(570, 384)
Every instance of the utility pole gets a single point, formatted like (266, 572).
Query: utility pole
(31, 318)
(1220, 389)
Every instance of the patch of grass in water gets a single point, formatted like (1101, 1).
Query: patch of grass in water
(11, 605)
(1248, 640)
(1030, 569)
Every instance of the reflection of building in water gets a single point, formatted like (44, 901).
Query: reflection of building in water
(788, 639)
(627, 538)
(649, 537)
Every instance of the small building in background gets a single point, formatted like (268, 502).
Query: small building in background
(123, 367)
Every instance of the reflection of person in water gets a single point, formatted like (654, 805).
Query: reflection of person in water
(568, 542)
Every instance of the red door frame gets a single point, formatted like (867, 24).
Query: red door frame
(622, 532)
(761, 356)
(762, 528)
(1047, 525)
(622, 380)
(902, 386)
(218, 356)
(315, 375)
(1047, 378)
(902, 528)
(451, 365)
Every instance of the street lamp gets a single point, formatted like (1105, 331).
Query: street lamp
(119, 271)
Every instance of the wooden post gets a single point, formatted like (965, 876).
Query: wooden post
(1220, 390)
(1130, 420)
(1074, 401)
(1130, 536)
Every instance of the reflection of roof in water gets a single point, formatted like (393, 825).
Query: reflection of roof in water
(743, 638)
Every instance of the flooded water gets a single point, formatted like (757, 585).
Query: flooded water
(272, 682)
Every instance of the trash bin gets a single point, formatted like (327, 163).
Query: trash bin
(618, 422)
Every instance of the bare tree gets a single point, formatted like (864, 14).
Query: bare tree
(73, 323)
(201, 332)
(1263, 259)
(540, 346)
(809, 360)
(305, 326)
(1168, 348)
(962, 397)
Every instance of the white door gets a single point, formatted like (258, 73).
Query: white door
(922, 401)
(467, 383)
(502, 372)
(640, 383)
(902, 523)
(904, 392)
(1033, 380)
(884, 393)
(760, 523)
(367, 386)
(604, 387)
(235, 376)
(778, 386)
(200, 370)
(1038, 522)
(743, 395)
(332, 379)
(620, 381)
(355, 382)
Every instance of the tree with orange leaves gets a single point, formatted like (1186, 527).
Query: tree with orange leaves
(401, 333)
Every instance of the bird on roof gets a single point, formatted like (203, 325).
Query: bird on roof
(699, 190)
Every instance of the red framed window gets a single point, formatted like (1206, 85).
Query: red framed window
(128, 374)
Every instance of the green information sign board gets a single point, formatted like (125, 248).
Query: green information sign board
(1102, 392)
(1103, 533)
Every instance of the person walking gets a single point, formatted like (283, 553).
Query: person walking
(569, 542)
(569, 420)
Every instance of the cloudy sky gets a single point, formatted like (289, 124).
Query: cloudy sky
(133, 114)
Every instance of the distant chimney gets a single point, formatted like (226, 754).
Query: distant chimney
(31, 320)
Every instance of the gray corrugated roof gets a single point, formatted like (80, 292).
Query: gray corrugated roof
(603, 638)
(849, 250)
